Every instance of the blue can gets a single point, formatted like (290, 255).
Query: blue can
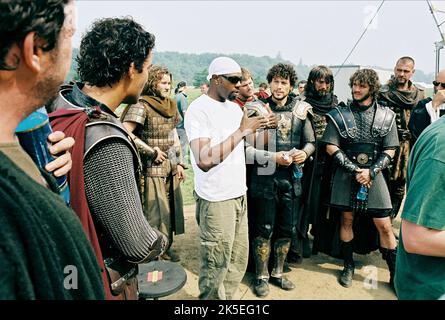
(33, 135)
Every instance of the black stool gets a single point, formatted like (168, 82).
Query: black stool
(158, 279)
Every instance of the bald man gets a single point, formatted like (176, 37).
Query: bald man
(428, 110)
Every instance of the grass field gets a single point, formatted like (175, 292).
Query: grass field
(187, 187)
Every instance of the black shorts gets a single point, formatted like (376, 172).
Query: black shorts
(374, 213)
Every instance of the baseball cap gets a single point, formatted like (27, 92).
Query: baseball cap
(223, 65)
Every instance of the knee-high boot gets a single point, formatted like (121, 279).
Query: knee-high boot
(261, 253)
(347, 250)
(389, 255)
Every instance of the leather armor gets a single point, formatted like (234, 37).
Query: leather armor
(362, 132)
(156, 131)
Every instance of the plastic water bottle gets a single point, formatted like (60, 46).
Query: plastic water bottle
(297, 171)
(33, 137)
(362, 193)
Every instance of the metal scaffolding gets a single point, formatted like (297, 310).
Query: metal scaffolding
(438, 14)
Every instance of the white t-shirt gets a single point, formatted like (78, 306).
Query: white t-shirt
(208, 118)
(434, 114)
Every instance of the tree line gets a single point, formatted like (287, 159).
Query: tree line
(192, 68)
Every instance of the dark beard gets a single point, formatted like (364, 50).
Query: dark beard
(321, 94)
(362, 99)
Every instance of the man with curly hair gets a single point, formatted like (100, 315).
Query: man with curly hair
(361, 137)
(276, 193)
(153, 120)
(113, 63)
(40, 238)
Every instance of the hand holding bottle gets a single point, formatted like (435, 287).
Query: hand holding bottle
(363, 177)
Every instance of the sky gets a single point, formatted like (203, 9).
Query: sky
(317, 32)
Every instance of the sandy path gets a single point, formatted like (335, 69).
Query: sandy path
(315, 278)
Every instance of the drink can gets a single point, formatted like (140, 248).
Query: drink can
(33, 137)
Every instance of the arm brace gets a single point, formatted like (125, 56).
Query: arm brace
(340, 158)
(145, 149)
(382, 163)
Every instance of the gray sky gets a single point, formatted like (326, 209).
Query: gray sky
(319, 32)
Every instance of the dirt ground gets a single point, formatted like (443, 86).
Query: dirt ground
(315, 278)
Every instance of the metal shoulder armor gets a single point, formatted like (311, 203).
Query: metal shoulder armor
(98, 130)
(343, 120)
(383, 121)
(301, 109)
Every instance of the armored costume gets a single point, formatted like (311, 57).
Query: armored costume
(104, 188)
(362, 135)
(276, 192)
(402, 103)
(317, 172)
(255, 107)
(162, 198)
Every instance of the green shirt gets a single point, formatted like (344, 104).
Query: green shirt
(419, 276)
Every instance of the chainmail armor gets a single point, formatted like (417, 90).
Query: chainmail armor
(115, 204)
(364, 120)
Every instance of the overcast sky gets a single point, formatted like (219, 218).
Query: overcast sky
(318, 32)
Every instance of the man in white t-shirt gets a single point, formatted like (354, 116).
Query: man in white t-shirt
(216, 129)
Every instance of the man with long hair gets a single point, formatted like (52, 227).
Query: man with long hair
(153, 120)
(319, 93)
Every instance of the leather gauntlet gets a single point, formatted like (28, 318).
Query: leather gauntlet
(382, 162)
(340, 158)
(144, 149)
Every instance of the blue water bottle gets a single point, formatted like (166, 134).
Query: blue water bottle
(362, 193)
(297, 171)
(33, 137)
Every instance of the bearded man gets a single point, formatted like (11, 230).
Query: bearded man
(401, 96)
(154, 120)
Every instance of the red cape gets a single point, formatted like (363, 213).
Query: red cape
(72, 123)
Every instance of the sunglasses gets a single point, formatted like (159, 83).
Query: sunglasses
(442, 84)
(232, 79)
